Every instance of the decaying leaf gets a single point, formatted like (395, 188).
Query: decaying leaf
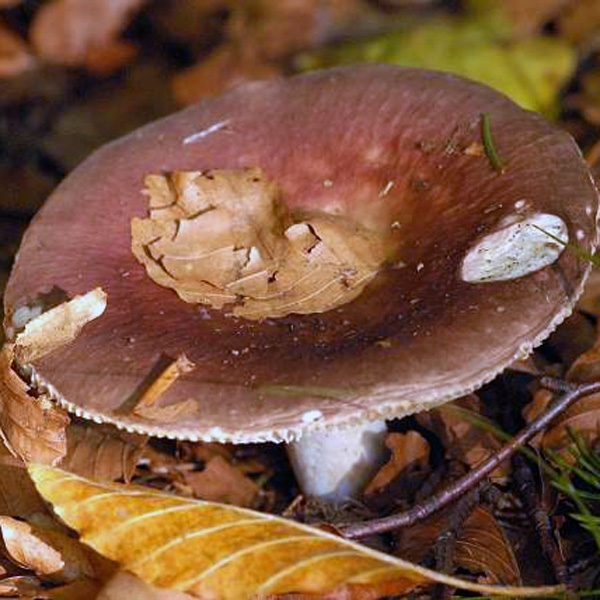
(32, 427)
(14, 54)
(215, 550)
(52, 555)
(581, 20)
(225, 68)
(409, 450)
(58, 326)
(482, 47)
(463, 438)
(102, 452)
(220, 481)
(18, 496)
(481, 546)
(68, 32)
(224, 237)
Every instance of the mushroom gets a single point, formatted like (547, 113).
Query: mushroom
(299, 260)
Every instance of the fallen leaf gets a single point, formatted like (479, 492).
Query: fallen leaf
(225, 68)
(102, 452)
(482, 47)
(219, 551)
(51, 555)
(15, 56)
(26, 587)
(481, 546)
(580, 22)
(33, 428)
(409, 452)
(18, 495)
(66, 32)
(220, 481)
(464, 439)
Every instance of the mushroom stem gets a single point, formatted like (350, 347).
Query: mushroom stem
(336, 464)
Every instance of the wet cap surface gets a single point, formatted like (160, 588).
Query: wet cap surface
(390, 148)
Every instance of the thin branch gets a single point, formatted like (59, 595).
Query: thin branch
(570, 394)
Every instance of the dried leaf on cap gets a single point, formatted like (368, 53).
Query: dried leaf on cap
(32, 427)
(409, 452)
(214, 550)
(220, 481)
(67, 32)
(15, 56)
(102, 452)
(52, 555)
(481, 547)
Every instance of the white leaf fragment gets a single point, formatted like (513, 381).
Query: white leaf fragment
(517, 250)
(59, 325)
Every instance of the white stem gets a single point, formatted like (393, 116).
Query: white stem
(336, 464)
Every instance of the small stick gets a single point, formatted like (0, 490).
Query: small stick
(570, 394)
(488, 144)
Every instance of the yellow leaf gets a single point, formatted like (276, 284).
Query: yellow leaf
(212, 550)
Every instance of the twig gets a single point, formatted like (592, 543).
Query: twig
(539, 517)
(570, 394)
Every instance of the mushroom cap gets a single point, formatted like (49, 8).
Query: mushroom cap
(396, 148)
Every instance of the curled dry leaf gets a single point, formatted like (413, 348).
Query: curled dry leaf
(125, 585)
(219, 551)
(410, 451)
(33, 428)
(481, 546)
(14, 54)
(71, 32)
(102, 452)
(220, 481)
(214, 249)
(52, 555)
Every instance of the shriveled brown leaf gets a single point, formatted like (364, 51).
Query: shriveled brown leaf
(541, 400)
(102, 452)
(51, 555)
(213, 550)
(32, 427)
(24, 587)
(67, 32)
(481, 546)
(586, 367)
(15, 56)
(409, 451)
(463, 439)
(225, 68)
(220, 481)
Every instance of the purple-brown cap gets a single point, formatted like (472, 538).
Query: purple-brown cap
(474, 273)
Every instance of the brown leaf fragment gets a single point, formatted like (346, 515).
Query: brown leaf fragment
(105, 60)
(164, 380)
(15, 56)
(24, 587)
(410, 451)
(463, 439)
(51, 555)
(58, 326)
(225, 68)
(169, 413)
(581, 21)
(482, 547)
(102, 452)
(220, 481)
(18, 496)
(33, 428)
(66, 32)
(529, 17)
